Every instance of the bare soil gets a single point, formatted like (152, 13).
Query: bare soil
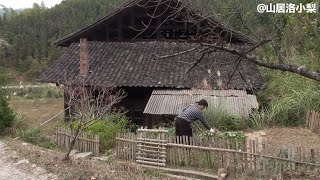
(293, 137)
(83, 168)
(14, 167)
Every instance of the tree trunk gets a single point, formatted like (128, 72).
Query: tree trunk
(73, 142)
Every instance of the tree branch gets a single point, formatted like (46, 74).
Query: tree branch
(300, 70)
(240, 58)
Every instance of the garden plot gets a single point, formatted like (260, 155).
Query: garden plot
(293, 137)
(285, 138)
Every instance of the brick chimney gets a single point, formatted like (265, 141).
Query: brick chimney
(84, 57)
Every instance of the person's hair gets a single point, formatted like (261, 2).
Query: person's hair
(202, 102)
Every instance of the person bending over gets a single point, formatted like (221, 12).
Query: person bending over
(190, 114)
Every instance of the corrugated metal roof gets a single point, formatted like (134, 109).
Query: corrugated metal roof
(172, 102)
(201, 92)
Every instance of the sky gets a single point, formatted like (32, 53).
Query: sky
(17, 4)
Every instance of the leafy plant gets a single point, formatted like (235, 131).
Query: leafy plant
(107, 129)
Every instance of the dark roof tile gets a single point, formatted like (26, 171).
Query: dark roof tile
(133, 64)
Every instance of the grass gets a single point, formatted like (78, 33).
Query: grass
(219, 118)
(36, 92)
(285, 100)
(36, 137)
(37, 111)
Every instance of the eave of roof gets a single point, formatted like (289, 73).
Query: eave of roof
(171, 102)
(62, 41)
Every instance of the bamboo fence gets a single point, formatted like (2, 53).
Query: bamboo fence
(248, 156)
(313, 121)
(84, 143)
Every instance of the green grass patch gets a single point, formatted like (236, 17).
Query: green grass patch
(36, 137)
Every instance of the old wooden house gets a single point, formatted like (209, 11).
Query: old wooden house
(123, 49)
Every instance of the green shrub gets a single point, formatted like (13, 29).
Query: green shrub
(107, 129)
(36, 137)
(17, 124)
(6, 115)
(219, 118)
(3, 79)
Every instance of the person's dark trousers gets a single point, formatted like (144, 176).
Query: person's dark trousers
(183, 128)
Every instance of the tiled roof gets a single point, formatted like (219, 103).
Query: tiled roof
(172, 102)
(125, 64)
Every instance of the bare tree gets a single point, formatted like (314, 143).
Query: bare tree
(216, 36)
(87, 105)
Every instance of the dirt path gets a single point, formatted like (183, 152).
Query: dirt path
(13, 168)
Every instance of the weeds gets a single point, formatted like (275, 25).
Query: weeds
(219, 118)
(36, 137)
(153, 173)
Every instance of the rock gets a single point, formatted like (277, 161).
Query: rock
(73, 152)
(39, 170)
(24, 161)
(262, 133)
(222, 174)
(34, 165)
(25, 144)
(83, 155)
(103, 158)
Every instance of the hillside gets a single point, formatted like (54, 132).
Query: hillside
(32, 32)
(295, 40)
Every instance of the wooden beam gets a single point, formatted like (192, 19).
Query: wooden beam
(158, 28)
(107, 34)
(120, 32)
